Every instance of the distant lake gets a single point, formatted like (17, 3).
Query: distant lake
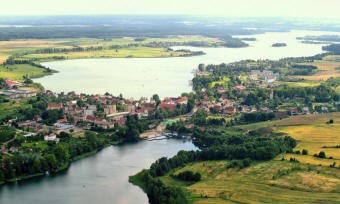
(137, 77)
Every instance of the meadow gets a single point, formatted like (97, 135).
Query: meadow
(17, 71)
(265, 182)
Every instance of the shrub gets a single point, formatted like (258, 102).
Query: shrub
(304, 152)
(188, 176)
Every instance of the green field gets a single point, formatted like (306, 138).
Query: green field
(17, 71)
(266, 182)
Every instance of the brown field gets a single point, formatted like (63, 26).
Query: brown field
(326, 68)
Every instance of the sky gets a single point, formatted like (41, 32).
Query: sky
(230, 8)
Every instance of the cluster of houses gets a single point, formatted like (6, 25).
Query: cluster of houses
(267, 76)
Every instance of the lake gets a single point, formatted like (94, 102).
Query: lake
(102, 178)
(137, 77)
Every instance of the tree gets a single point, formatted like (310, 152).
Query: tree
(91, 139)
(304, 152)
(322, 154)
(61, 153)
(2, 83)
(51, 162)
(199, 118)
(155, 97)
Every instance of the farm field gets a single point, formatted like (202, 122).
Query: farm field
(327, 67)
(120, 53)
(311, 133)
(275, 181)
(131, 46)
(17, 71)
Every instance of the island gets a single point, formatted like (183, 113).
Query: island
(279, 45)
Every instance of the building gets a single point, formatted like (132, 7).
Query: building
(110, 109)
(16, 94)
(266, 75)
(51, 137)
(11, 83)
(239, 88)
(54, 106)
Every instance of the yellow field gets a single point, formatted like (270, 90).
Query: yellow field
(327, 68)
(266, 182)
(312, 133)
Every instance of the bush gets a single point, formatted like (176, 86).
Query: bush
(188, 176)
(304, 152)
(321, 154)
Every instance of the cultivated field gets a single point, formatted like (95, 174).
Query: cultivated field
(312, 133)
(266, 182)
(328, 67)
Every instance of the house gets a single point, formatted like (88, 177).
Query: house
(11, 83)
(54, 106)
(266, 75)
(167, 106)
(239, 88)
(15, 94)
(293, 111)
(281, 114)
(29, 134)
(64, 120)
(220, 89)
(110, 109)
(182, 100)
(229, 110)
(63, 126)
(51, 137)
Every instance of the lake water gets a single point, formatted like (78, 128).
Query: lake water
(102, 178)
(137, 77)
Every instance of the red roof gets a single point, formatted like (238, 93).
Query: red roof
(64, 120)
(54, 106)
(239, 88)
(121, 121)
(11, 83)
(90, 118)
(165, 106)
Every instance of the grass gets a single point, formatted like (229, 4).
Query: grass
(311, 132)
(41, 145)
(17, 71)
(11, 47)
(224, 82)
(327, 67)
(10, 108)
(265, 182)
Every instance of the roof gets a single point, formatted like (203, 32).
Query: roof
(240, 88)
(54, 105)
(11, 83)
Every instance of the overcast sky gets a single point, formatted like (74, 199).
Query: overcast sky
(258, 8)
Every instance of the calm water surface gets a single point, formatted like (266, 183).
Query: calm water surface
(99, 179)
(137, 77)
